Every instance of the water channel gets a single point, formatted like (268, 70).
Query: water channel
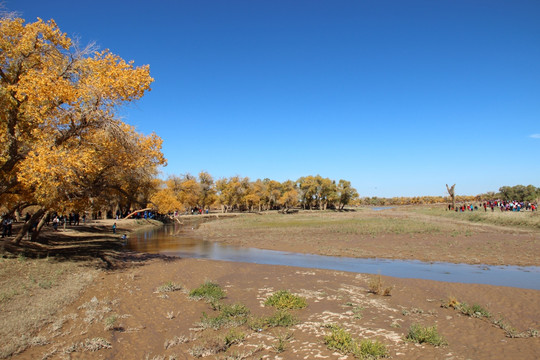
(175, 241)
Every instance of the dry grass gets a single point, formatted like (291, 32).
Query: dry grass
(22, 281)
(377, 287)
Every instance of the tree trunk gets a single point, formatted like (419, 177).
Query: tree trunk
(36, 232)
(27, 226)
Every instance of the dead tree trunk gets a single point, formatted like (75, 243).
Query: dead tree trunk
(452, 193)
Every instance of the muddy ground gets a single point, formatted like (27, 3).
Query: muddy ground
(126, 314)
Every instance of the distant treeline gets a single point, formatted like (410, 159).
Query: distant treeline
(520, 193)
(187, 193)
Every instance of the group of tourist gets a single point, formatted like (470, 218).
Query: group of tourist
(501, 204)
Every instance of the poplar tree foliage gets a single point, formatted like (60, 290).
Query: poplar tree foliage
(61, 144)
(240, 193)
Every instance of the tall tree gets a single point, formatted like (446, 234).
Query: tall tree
(60, 141)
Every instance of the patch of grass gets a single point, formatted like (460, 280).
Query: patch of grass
(342, 341)
(358, 312)
(209, 291)
(473, 310)
(281, 318)
(234, 336)
(283, 340)
(420, 334)
(110, 322)
(169, 287)
(371, 349)
(93, 344)
(31, 293)
(229, 315)
(215, 344)
(177, 340)
(284, 299)
(377, 287)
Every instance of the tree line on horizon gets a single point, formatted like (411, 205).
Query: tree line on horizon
(522, 193)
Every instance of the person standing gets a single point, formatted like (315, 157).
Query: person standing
(114, 228)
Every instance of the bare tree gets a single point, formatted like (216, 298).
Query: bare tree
(452, 193)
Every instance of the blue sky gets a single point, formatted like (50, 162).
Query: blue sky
(399, 97)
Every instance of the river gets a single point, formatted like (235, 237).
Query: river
(173, 241)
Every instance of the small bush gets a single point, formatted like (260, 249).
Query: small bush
(229, 315)
(341, 340)
(376, 286)
(234, 336)
(281, 318)
(420, 334)
(371, 349)
(473, 310)
(208, 291)
(283, 299)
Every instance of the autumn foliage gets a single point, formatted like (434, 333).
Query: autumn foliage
(241, 194)
(61, 144)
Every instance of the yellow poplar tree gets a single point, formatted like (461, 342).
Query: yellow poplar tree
(59, 138)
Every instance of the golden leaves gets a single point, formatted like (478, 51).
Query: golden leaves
(59, 138)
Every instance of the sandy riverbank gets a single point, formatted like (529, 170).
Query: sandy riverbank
(149, 323)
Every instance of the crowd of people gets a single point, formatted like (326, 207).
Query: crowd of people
(497, 204)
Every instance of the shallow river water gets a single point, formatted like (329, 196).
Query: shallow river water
(175, 241)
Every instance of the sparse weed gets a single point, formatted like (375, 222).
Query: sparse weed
(420, 334)
(229, 315)
(282, 340)
(358, 312)
(168, 287)
(213, 345)
(177, 340)
(283, 299)
(376, 286)
(110, 322)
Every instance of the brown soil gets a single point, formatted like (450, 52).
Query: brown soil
(455, 242)
(156, 325)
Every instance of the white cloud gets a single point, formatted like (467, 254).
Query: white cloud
(535, 136)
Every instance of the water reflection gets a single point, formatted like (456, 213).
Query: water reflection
(176, 241)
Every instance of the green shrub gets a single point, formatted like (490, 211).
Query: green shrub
(229, 315)
(420, 334)
(474, 310)
(341, 340)
(209, 291)
(283, 299)
(281, 318)
(371, 349)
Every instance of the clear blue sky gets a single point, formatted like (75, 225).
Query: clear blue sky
(399, 97)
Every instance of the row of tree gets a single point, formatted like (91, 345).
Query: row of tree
(520, 193)
(186, 193)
